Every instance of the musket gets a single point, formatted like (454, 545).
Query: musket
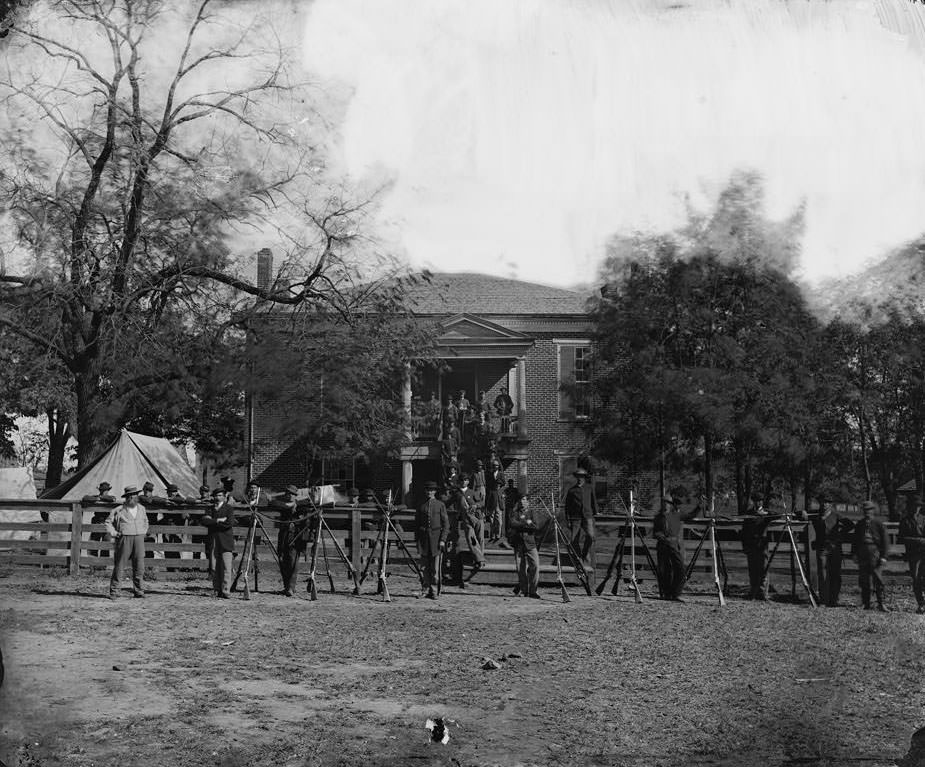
(562, 589)
(719, 587)
(311, 586)
(637, 595)
(580, 571)
(247, 553)
(616, 562)
(383, 560)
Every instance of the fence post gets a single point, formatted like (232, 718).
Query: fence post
(355, 529)
(77, 523)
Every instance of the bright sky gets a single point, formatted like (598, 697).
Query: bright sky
(521, 134)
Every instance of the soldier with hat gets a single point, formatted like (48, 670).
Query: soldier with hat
(220, 522)
(754, 537)
(175, 519)
(99, 517)
(580, 510)
(494, 500)
(668, 529)
(292, 539)
(912, 536)
(871, 546)
(127, 524)
(432, 526)
(830, 531)
(524, 535)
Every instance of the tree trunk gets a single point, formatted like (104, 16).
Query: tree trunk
(85, 388)
(740, 478)
(864, 460)
(708, 465)
(58, 433)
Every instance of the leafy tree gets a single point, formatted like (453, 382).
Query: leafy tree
(143, 139)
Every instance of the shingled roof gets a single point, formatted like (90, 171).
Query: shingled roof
(467, 292)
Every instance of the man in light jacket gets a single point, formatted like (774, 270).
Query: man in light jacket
(128, 525)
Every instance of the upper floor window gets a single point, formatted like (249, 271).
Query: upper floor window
(574, 380)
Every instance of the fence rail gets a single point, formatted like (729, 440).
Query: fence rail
(62, 535)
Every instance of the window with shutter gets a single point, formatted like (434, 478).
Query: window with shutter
(575, 377)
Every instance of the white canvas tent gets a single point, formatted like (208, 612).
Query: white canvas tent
(131, 459)
(16, 483)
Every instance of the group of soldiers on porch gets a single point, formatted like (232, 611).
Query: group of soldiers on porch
(465, 512)
(460, 418)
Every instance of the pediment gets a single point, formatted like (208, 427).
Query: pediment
(467, 335)
(471, 327)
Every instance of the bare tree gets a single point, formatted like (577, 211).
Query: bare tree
(145, 141)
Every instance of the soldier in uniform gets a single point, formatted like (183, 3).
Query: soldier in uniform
(504, 406)
(494, 500)
(831, 530)
(151, 501)
(99, 517)
(127, 525)
(432, 529)
(912, 536)
(870, 546)
(473, 524)
(755, 545)
(292, 539)
(175, 519)
(220, 522)
(524, 533)
(668, 529)
(450, 416)
(580, 510)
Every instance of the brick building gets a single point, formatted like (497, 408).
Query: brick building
(494, 333)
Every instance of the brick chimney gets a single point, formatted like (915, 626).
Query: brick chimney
(265, 268)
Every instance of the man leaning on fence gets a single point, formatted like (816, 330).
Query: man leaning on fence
(99, 517)
(128, 525)
(912, 536)
(668, 531)
(831, 529)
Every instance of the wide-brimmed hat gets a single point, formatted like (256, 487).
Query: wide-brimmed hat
(292, 490)
(580, 473)
(104, 486)
(130, 490)
(430, 485)
(147, 486)
(869, 506)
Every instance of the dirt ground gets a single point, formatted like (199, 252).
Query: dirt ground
(181, 678)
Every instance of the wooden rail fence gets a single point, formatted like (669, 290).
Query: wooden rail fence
(62, 535)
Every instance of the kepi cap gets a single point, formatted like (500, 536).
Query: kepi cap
(430, 485)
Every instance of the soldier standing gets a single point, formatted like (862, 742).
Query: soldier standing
(470, 515)
(912, 535)
(831, 530)
(871, 546)
(291, 541)
(494, 500)
(755, 545)
(431, 531)
(523, 531)
(580, 510)
(221, 524)
(667, 529)
(99, 517)
(128, 524)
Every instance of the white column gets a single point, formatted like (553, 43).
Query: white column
(522, 398)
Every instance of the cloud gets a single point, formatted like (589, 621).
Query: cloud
(531, 131)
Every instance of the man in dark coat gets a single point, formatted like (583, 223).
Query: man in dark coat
(99, 517)
(831, 531)
(220, 522)
(668, 530)
(754, 537)
(292, 539)
(524, 534)
(870, 547)
(432, 526)
(912, 536)
(580, 510)
(494, 500)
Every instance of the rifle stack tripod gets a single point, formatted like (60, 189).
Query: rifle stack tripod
(617, 560)
(382, 543)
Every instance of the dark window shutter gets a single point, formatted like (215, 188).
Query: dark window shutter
(566, 377)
